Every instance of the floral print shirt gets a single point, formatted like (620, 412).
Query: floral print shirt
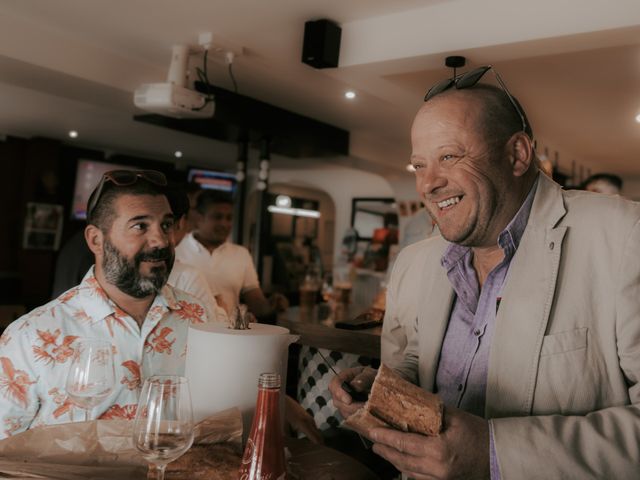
(36, 352)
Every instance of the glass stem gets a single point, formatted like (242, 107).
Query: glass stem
(160, 471)
(87, 414)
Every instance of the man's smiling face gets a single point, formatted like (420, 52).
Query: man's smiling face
(463, 180)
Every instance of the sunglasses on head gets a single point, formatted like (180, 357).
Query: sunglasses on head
(468, 80)
(124, 178)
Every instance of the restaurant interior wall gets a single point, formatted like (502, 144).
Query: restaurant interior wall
(36, 170)
(631, 188)
(288, 253)
(404, 187)
(326, 223)
(44, 171)
(341, 184)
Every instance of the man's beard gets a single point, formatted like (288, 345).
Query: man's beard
(125, 274)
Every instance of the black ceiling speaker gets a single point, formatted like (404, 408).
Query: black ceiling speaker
(321, 47)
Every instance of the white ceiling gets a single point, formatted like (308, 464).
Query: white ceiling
(575, 65)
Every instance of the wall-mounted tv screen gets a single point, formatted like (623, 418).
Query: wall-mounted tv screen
(213, 180)
(88, 174)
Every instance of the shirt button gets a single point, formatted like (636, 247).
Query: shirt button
(460, 387)
(551, 245)
(477, 332)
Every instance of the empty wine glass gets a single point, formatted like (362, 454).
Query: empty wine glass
(91, 377)
(163, 428)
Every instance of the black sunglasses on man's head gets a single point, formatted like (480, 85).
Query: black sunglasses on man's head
(468, 80)
(123, 178)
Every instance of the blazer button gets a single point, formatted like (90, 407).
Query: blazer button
(551, 245)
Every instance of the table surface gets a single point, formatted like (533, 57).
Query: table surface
(317, 462)
(316, 328)
(307, 461)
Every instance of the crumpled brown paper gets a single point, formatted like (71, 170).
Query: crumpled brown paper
(99, 449)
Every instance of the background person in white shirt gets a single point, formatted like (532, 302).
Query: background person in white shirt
(606, 183)
(227, 267)
(186, 277)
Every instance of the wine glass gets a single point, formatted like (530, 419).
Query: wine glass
(91, 377)
(163, 428)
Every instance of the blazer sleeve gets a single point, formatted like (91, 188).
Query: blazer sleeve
(399, 342)
(602, 444)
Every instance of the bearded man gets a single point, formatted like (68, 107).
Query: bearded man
(123, 299)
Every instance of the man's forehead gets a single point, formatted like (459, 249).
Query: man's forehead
(220, 207)
(128, 205)
(444, 114)
(452, 101)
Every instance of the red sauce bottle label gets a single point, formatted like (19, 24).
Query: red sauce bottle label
(263, 457)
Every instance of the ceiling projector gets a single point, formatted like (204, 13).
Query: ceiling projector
(173, 101)
(173, 98)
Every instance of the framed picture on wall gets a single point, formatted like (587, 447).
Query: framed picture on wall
(368, 214)
(42, 226)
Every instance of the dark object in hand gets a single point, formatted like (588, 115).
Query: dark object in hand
(355, 394)
(369, 319)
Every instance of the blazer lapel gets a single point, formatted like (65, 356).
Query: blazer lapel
(524, 310)
(433, 318)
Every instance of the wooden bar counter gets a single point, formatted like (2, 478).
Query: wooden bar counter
(316, 327)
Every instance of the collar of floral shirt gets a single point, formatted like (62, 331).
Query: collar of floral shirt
(98, 306)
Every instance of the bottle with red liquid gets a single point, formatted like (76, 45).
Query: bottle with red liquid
(263, 457)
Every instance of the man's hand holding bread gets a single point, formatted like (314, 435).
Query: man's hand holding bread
(360, 378)
(409, 428)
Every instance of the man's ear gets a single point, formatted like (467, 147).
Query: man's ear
(95, 239)
(521, 155)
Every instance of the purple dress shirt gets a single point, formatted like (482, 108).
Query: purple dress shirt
(461, 377)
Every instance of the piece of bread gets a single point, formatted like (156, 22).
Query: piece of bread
(219, 461)
(404, 405)
(400, 404)
(362, 421)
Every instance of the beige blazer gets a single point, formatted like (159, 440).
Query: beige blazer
(563, 391)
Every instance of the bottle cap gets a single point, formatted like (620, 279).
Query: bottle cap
(269, 380)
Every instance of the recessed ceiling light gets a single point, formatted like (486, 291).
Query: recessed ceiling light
(178, 154)
(410, 168)
(73, 134)
(638, 118)
(350, 94)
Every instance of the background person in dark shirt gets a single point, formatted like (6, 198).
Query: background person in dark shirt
(74, 260)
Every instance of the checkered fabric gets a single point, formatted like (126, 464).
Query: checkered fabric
(315, 376)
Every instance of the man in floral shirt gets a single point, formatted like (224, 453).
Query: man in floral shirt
(123, 299)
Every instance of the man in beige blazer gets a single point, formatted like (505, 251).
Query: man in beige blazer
(561, 387)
